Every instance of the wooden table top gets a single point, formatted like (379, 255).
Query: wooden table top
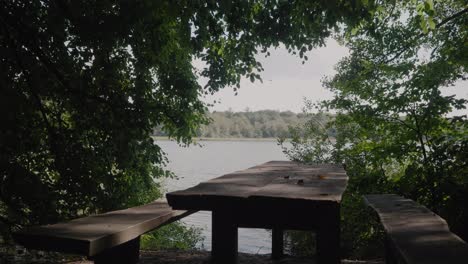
(272, 181)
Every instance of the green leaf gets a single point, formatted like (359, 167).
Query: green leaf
(423, 25)
(252, 77)
(429, 5)
(431, 23)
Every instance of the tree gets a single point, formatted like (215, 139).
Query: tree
(393, 126)
(83, 83)
(391, 88)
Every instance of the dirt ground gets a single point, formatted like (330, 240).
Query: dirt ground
(203, 257)
(158, 257)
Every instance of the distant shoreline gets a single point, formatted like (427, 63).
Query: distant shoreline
(221, 139)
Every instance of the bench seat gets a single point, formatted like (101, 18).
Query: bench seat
(101, 237)
(416, 235)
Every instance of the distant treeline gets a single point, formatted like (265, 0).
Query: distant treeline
(248, 124)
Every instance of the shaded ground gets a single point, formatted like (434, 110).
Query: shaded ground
(170, 257)
(202, 257)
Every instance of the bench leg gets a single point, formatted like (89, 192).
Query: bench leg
(277, 243)
(126, 253)
(328, 239)
(224, 238)
(389, 253)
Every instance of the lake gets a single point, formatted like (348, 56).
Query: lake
(196, 164)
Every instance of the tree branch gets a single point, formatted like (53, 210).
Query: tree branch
(452, 17)
(439, 25)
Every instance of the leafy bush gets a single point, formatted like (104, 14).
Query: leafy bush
(378, 161)
(172, 236)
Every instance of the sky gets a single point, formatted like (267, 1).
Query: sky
(286, 82)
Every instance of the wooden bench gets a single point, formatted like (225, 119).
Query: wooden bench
(113, 237)
(414, 234)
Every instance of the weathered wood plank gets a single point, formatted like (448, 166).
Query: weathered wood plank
(327, 186)
(91, 235)
(417, 234)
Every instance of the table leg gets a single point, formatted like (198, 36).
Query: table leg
(224, 238)
(277, 243)
(328, 239)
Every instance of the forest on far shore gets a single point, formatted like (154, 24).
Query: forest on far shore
(248, 124)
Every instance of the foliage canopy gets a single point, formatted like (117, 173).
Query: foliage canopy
(83, 83)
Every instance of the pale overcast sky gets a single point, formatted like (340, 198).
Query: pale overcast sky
(286, 81)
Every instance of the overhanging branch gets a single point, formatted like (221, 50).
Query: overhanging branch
(439, 25)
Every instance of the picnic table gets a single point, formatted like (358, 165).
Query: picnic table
(277, 195)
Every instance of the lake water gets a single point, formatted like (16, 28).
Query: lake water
(197, 164)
